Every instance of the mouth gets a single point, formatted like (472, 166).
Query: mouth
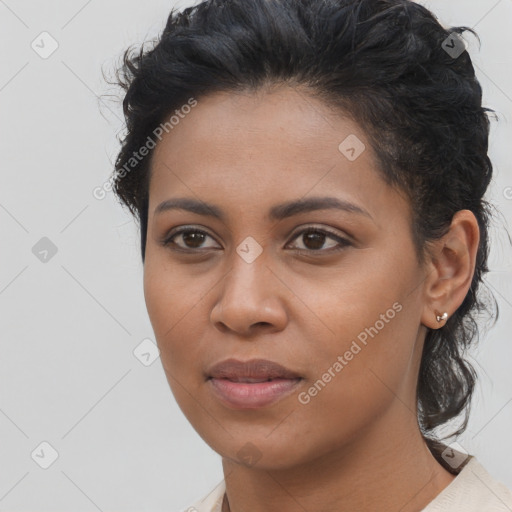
(254, 370)
(251, 384)
(247, 379)
(252, 395)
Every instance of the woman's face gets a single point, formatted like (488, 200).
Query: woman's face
(340, 308)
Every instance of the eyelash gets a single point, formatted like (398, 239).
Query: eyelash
(342, 242)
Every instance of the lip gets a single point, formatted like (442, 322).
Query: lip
(263, 369)
(251, 384)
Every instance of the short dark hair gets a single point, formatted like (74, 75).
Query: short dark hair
(386, 64)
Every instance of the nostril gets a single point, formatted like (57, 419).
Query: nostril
(261, 324)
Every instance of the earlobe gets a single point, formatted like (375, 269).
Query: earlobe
(452, 262)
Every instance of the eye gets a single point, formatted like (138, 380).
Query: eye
(191, 238)
(314, 239)
(187, 238)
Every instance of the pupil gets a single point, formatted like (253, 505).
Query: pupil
(317, 239)
(196, 238)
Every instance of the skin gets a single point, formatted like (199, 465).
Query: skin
(356, 445)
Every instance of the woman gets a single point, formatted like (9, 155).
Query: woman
(309, 179)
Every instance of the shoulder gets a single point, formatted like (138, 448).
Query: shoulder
(473, 490)
(212, 502)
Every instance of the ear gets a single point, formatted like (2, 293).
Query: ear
(450, 266)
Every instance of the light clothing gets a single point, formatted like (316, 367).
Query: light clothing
(472, 490)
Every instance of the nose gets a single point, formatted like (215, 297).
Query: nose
(251, 300)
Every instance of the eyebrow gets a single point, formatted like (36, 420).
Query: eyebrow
(277, 212)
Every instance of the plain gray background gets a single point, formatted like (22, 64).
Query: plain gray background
(70, 324)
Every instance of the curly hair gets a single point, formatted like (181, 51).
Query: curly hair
(384, 63)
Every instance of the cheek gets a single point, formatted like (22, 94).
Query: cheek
(370, 322)
(361, 299)
(172, 303)
(173, 309)
(355, 381)
(170, 295)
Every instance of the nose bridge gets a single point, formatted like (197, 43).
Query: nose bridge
(249, 260)
(248, 276)
(248, 293)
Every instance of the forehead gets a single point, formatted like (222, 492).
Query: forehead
(255, 149)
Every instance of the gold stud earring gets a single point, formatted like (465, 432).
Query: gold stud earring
(442, 318)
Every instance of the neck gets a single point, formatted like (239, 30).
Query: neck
(388, 467)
